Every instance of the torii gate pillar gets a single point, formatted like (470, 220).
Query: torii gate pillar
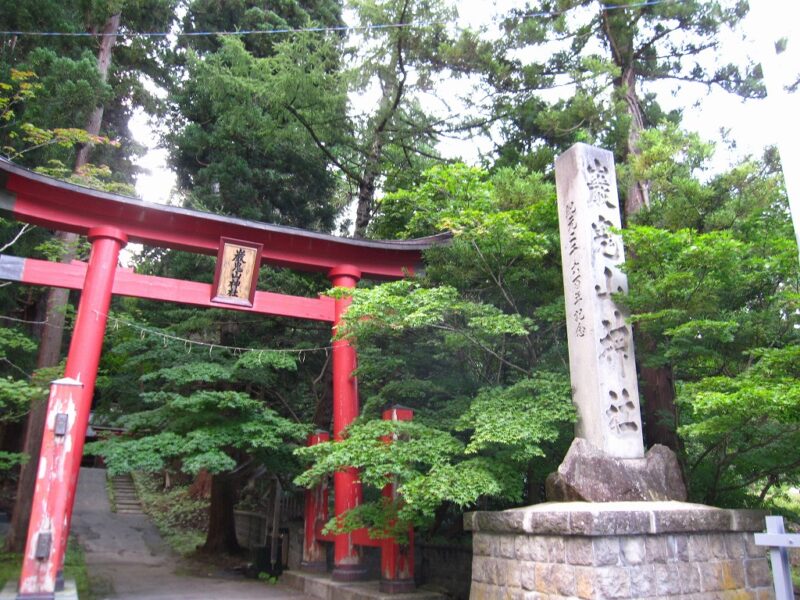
(65, 426)
(346, 485)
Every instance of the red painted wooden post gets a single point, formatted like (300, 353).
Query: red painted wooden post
(40, 564)
(61, 454)
(316, 515)
(346, 484)
(397, 560)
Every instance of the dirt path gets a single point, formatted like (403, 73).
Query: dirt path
(127, 559)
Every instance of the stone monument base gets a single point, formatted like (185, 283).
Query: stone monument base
(587, 474)
(620, 550)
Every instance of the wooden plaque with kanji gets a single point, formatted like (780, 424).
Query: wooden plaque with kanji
(237, 272)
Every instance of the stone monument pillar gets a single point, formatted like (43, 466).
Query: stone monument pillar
(601, 362)
(607, 460)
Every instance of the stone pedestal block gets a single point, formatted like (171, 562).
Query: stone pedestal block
(587, 474)
(618, 550)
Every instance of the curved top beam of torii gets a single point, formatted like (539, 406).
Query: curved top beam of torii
(29, 197)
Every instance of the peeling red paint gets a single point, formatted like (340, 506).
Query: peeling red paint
(60, 456)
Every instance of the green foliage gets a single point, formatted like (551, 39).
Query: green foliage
(195, 411)
(517, 419)
(28, 96)
(711, 296)
(427, 465)
(69, 84)
(267, 578)
(714, 284)
(258, 361)
(743, 428)
(92, 176)
(9, 460)
(180, 519)
(252, 15)
(405, 305)
(16, 395)
(236, 146)
(366, 448)
(471, 347)
(13, 341)
(204, 429)
(20, 106)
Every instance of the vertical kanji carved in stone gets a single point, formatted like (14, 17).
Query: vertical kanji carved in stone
(615, 343)
(622, 413)
(605, 241)
(597, 178)
(612, 283)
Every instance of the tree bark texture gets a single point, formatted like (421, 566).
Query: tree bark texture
(366, 199)
(201, 486)
(638, 191)
(221, 536)
(53, 331)
(103, 63)
(619, 36)
(660, 412)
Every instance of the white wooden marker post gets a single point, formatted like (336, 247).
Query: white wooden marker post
(778, 541)
(601, 360)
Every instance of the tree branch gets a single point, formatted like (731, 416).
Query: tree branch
(482, 346)
(25, 228)
(649, 44)
(495, 278)
(321, 145)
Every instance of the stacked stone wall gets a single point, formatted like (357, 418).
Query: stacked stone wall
(617, 555)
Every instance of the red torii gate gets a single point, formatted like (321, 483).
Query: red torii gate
(110, 221)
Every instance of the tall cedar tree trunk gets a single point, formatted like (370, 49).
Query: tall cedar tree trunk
(201, 486)
(660, 411)
(221, 536)
(393, 91)
(366, 193)
(658, 392)
(638, 191)
(53, 331)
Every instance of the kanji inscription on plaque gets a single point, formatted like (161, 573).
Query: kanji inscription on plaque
(237, 272)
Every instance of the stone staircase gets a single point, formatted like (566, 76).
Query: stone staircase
(125, 497)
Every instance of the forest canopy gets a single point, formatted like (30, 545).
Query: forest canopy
(328, 116)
